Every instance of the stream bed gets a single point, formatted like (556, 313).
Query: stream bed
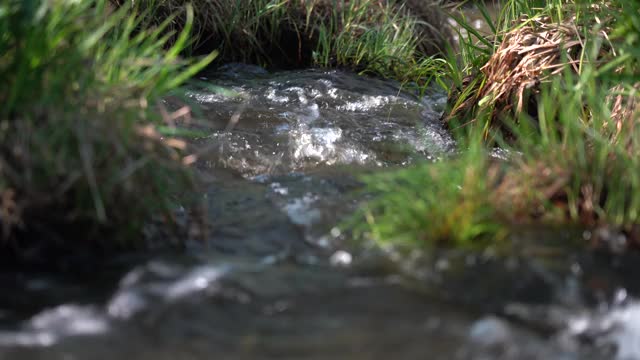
(276, 278)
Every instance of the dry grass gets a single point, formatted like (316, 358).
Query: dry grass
(532, 53)
(625, 113)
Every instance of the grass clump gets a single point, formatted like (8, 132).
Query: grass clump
(80, 152)
(388, 38)
(558, 89)
(448, 203)
(396, 40)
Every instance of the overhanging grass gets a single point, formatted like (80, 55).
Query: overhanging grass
(388, 38)
(573, 142)
(382, 39)
(79, 149)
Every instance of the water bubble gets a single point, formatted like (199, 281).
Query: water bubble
(335, 232)
(300, 210)
(620, 296)
(490, 332)
(197, 280)
(341, 258)
(442, 264)
(126, 304)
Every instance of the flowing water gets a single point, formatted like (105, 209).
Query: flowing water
(276, 279)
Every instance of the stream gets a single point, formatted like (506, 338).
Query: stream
(276, 278)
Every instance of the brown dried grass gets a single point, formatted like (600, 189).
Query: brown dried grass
(532, 53)
(625, 112)
(529, 55)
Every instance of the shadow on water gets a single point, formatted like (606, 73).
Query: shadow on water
(277, 280)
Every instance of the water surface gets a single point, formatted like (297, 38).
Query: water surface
(277, 279)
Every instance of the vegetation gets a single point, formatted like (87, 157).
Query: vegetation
(85, 141)
(394, 39)
(79, 125)
(81, 129)
(557, 87)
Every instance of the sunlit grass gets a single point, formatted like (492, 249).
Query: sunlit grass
(573, 144)
(79, 146)
(435, 204)
(378, 39)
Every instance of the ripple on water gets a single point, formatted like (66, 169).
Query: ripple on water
(299, 120)
(614, 332)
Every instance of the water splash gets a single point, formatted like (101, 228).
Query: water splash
(301, 120)
(50, 326)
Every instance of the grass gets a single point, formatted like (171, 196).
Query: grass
(394, 39)
(558, 88)
(448, 203)
(80, 150)
(83, 130)
(381, 39)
